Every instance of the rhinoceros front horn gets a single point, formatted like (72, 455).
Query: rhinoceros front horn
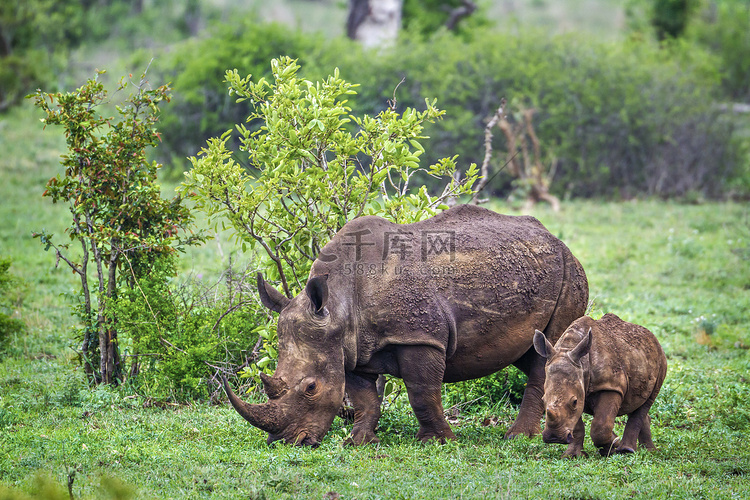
(267, 417)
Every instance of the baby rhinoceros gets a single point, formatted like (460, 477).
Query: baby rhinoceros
(606, 368)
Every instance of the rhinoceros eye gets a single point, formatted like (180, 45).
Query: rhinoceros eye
(311, 387)
(574, 403)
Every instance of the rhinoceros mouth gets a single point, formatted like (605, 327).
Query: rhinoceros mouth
(301, 438)
(549, 438)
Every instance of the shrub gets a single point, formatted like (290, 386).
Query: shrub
(202, 108)
(118, 218)
(21, 72)
(621, 119)
(723, 29)
(177, 337)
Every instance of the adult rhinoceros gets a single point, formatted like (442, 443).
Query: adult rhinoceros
(451, 298)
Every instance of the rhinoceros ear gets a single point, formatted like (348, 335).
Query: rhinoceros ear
(582, 348)
(543, 346)
(270, 297)
(317, 291)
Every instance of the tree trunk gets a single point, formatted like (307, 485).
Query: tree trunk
(109, 356)
(137, 7)
(5, 45)
(193, 17)
(110, 351)
(87, 348)
(374, 23)
(466, 8)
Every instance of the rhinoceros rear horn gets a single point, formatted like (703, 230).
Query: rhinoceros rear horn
(270, 297)
(543, 346)
(266, 417)
(275, 387)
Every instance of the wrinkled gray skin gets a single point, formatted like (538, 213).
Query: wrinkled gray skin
(384, 298)
(605, 368)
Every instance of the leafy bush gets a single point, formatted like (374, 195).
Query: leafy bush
(621, 119)
(723, 29)
(21, 72)
(118, 217)
(38, 36)
(35, 37)
(202, 108)
(179, 336)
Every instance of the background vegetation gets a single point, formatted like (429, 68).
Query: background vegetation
(625, 118)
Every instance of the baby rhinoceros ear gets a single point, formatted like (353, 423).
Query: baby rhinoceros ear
(582, 348)
(543, 346)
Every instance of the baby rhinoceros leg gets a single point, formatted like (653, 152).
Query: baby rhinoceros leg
(575, 447)
(637, 428)
(606, 407)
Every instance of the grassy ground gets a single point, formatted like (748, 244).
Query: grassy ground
(681, 270)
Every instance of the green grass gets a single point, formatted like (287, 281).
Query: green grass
(683, 271)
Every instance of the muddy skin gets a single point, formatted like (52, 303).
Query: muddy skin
(451, 298)
(604, 368)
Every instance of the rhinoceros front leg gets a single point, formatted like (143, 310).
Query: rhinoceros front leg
(532, 405)
(422, 370)
(575, 447)
(605, 411)
(363, 393)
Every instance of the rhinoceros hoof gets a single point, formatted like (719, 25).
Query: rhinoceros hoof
(625, 449)
(433, 439)
(571, 454)
(361, 439)
(429, 437)
(514, 433)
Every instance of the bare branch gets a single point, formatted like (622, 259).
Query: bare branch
(392, 102)
(485, 171)
(230, 311)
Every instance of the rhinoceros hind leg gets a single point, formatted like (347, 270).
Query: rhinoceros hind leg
(363, 394)
(638, 423)
(532, 407)
(644, 438)
(423, 385)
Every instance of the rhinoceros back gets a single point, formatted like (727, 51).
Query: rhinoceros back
(469, 281)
